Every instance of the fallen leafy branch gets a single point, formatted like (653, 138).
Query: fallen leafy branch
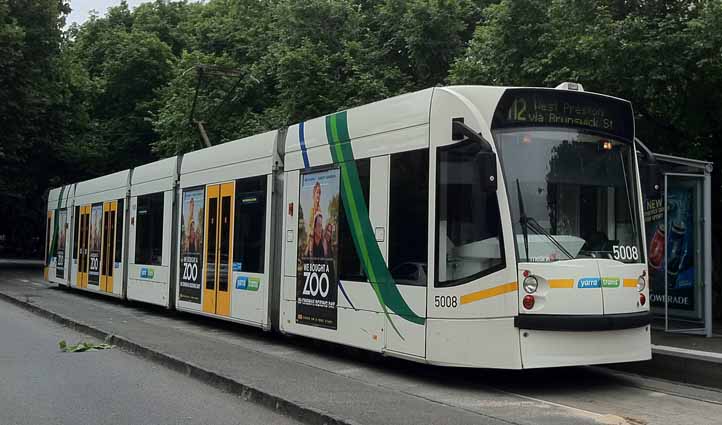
(82, 346)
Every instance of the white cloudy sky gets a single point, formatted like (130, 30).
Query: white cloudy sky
(82, 8)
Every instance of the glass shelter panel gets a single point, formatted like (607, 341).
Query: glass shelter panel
(675, 241)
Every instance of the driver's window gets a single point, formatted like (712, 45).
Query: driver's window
(468, 232)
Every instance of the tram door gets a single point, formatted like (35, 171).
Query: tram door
(83, 236)
(218, 247)
(47, 246)
(106, 268)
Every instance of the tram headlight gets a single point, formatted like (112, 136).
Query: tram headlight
(641, 283)
(530, 284)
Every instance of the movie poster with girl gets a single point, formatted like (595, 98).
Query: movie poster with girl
(191, 252)
(60, 263)
(96, 229)
(317, 284)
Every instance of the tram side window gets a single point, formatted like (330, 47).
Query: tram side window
(76, 231)
(149, 230)
(350, 267)
(408, 217)
(249, 240)
(468, 241)
(120, 215)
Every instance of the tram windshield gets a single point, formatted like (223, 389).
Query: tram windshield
(572, 194)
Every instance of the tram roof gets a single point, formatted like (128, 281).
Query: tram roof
(259, 146)
(113, 181)
(54, 195)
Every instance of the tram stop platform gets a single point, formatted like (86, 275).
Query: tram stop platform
(16, 263)
(692, 359)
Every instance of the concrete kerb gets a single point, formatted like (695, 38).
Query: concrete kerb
(274, 402)
(677, 368)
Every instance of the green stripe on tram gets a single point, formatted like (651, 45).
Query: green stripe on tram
(358, 219)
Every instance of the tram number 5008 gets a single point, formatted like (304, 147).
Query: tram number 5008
(622, 252)
(446, 301)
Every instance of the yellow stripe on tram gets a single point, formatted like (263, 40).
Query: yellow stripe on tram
(630, 283)
(561, 283)
(488, 293)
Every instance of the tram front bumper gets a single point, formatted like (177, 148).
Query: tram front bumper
(582, 323)
(573, 340)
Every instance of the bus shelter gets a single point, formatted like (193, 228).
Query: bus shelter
(678, 227)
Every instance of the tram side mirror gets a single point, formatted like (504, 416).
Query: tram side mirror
(653, 178)
(649, 170)
(485, 159)
(486, 164)
(458, 132)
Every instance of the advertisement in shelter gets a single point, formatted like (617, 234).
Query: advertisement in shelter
(96, 229)
(191, 260)
(317, 284)
(60, 263)
(675, 243)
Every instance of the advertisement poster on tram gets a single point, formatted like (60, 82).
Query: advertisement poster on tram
(96, 229)
(191, 252)
(60, 263)
(679, 270)
(317, 280)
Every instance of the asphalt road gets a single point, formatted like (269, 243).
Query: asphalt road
(39, 384)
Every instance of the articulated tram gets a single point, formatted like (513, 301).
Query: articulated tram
(462, 226)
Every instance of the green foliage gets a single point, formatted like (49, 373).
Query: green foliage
(663, 56)
(32, 112)
(121, 67)
(82, 346)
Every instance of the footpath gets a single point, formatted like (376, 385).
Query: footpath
(691, 359)
(321, 383)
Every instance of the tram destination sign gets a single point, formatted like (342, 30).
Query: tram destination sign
(556, 108)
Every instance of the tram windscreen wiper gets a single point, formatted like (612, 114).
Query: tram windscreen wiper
(523, 219)
(531, 223)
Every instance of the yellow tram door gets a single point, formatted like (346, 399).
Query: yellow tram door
(218, 249)
(83, 237)
(108, 246)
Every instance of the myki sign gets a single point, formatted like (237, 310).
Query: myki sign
(147, 273)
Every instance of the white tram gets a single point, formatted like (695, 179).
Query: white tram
(461, 226)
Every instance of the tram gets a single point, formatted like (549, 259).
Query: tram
(469, 226)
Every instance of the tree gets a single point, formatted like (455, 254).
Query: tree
(122, 68)
(31, 114)
(421, 38)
